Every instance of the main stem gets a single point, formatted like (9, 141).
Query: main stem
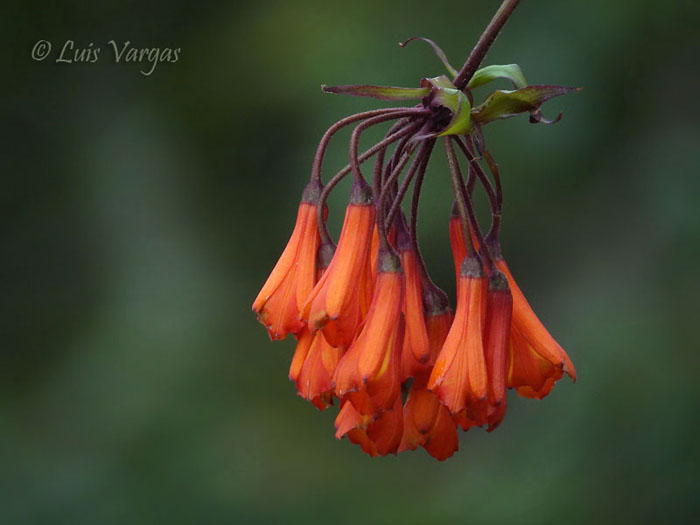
(485, 41)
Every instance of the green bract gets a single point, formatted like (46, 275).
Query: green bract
(503, 104)
(487, 74)
(441, 91)
(447, 95)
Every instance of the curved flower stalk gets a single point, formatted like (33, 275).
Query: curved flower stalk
(373, 331)
(313, 378)
(377, 436)
(428, 423)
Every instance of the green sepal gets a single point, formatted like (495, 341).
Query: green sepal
(504, 104)
(461, 120)
(441, 82)
(488, 74)
(379, 92)
(447, 95)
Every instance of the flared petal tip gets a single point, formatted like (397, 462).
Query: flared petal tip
(569, 368)
(442, 456)
(493, 426)
(275, 335)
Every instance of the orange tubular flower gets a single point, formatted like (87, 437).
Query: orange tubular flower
(282, 296)
(438, 320)
(314, 378)
(428, 423)
(459, 377)
(339, 301)
(368, 373)
(416, 346)
(304, 339)
(314, 359)
(535, 360)
(499, 307)
(377, 437)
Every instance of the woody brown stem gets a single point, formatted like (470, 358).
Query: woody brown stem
(485, 42)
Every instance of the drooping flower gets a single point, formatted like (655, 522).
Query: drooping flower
(535, 360)
(438, 320)
(284, 293)
(368, 373)
(339, 301)
(415, 353)
(429, 424)
(499, 308)
(304, 339)
(459, 377)
(377, 436)
(314, 359)
(313, 380)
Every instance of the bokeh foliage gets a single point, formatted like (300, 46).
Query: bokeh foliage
(141, 214)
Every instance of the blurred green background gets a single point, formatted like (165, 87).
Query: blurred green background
(141, 214)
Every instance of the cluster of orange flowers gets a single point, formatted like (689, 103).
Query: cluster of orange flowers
(369, 322)
(373, 331)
